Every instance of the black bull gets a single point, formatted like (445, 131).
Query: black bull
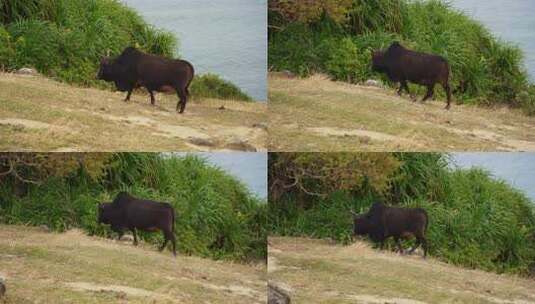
(129, 213)
(382, 222)
(133, 69)
(403, 65)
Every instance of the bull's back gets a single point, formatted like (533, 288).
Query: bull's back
(405, 222)
(144, 214)
(424, 68)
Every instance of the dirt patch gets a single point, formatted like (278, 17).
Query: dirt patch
(327, 131)
(371, 299)
(129, 291)
(238, 290)
(25, 123)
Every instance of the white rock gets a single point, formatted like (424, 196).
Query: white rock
(26, 71)
(373, 83)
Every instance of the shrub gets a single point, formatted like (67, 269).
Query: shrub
(66, 39)
(217, 216)
(484, 69)
(213, 86)
(475, 220)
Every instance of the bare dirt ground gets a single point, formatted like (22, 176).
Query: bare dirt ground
(316, 114)
(317, 271)
(39, 114)
(43, 267)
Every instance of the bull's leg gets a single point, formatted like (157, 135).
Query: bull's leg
(430, 89)
(182, 97)
(152, 99)
(418, 243)
(423, 240)
(167, 235)
(448, 94)
(173, 242)
(398, 243)
(120, 234)
(128, 95)
(135, 236)
(400, 90)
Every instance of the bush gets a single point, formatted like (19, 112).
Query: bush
(484, 70)
(217, 216)
(66, 39)
(474, 220)
(212, 86)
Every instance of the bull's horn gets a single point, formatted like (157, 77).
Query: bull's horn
(353, 212)
(108, 53)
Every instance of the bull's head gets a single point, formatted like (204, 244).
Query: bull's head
(102, 218)
(378, 61)
(105, 71)
(361, 223)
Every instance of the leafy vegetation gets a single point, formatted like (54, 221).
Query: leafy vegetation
(339, 42)
(475, 220)
(66, 39)
(216, 215)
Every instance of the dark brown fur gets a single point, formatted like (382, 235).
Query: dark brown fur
(403, 65)
(382, 222)
(128, 212)
(133, 69)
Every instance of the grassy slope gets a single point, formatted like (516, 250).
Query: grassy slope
(42, 267)
(318, 272)
(37, 113)
(316, 114)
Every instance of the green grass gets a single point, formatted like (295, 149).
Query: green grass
(65, 39)
(216, 216)
(475, 220)
(485, 69)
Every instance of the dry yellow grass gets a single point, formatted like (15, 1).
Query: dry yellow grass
(42, 267)
(316, 114)
(316, 271)
(40, 114)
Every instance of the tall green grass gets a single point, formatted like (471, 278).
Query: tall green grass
(475, 220)
(217, 216)
(66, 39)
(485, 70)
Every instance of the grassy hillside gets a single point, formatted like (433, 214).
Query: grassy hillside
(43, 267)
(316, 114)
(41, 114)
(315, 271)
(337, 37)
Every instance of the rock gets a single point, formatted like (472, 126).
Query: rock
(277, 295)
(44, 228)
(127, 238)
(260, 125)
(241, 145)
(221, 108)
(201, 141)
(2, 288)
(26, 71)
(364, 140)
(373, 83)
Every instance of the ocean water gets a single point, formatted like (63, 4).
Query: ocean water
(511, 21)
(250, 168)
(517, 168)
(226, 37)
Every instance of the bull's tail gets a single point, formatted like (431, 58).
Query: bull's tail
(173, 218)
(192, 75)
(426, 220)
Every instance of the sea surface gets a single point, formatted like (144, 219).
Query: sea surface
(517, 168)
(250, 168)
(512, 21)
(225, 37)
